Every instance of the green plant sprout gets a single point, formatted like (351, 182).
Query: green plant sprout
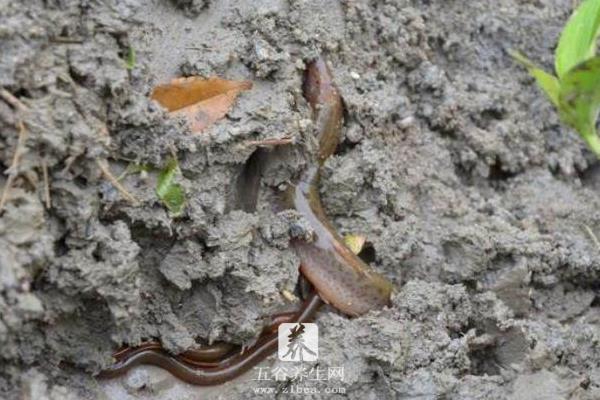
(130, 60)
(170, 193)
(575, 90)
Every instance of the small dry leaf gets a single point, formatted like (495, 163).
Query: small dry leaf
(355, 242)
(200, 101)
(289, 296)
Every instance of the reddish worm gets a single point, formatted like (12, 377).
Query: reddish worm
(340, 277)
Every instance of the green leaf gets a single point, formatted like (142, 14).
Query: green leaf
(579, 100)
(548, 82)
(169, 192)
(138, 168)
(577, 41)
(130, 62)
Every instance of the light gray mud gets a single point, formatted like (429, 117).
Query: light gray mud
(476, 202)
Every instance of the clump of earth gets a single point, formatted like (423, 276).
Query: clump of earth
(475, 201)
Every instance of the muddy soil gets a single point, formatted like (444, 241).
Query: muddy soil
(475, 201)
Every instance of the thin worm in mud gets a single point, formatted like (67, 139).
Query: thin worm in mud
(339, 277)
(223, 371)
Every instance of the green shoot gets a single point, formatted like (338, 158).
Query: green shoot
(546, 81)
(576, 91)
(130, 61)
(577, 41)
(170, 193)
(579, 100)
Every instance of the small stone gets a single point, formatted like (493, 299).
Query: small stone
(30, 305)
(406, 122)
(153, 378)
(304, 123)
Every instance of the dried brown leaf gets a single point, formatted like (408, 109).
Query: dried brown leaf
(200, 101)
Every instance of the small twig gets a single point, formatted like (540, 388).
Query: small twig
(46, 184)
(102, 132)
(60, 93)
(12, 100)
(270, 142)
(195, 48)
(12, 171)
(592, 235)
(31, 178)
(172, 150)
(68, 164)
(103, 165)
(66, 40)
(124, 173)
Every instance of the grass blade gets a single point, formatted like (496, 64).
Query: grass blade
(130, 61)
(169, 192)
(577, 41)
(579, 100)
(546, 81)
